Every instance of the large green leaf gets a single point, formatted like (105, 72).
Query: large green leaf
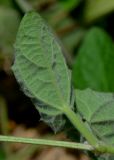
(97, 108)
(41, 70)
(94, 64)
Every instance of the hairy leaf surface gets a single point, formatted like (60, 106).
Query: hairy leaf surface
(41, 69)
(94, 65)
(97, 108)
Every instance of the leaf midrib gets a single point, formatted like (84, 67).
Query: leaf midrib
(52, 74)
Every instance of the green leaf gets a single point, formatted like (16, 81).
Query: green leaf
(96, 9)
(94, 64)
(97, 108)
(41, 69)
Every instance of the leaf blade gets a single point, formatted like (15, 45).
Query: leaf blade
(94, 64)
(101, 115)
(40, 67)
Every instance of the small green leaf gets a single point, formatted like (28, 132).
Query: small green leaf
(41, 69)
(97, 108)
(94, 65)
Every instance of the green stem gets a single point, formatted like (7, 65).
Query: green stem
(78, 124)
(76, 120)
(24, 5)
(45, 142)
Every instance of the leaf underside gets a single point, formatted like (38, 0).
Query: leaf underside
(41, 70)
(97, 108)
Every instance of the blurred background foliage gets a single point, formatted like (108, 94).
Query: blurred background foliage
(71, 20)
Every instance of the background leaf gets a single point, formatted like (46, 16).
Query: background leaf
(9, 22)
(8, 3)
(94, 64)
(97, 109)
(96, 9)
(69, 4)
(41, 69)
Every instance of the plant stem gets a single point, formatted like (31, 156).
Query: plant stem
(45, 142)
(79, 124)
(24, 5)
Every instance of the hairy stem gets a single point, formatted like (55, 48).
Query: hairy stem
(24, 5)
(77, 122)
(45, 142)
